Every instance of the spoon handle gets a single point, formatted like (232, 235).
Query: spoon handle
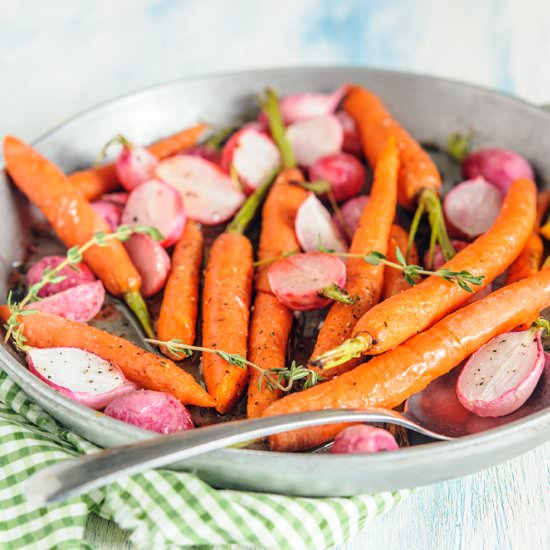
(71, 477)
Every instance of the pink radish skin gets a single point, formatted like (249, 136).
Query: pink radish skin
(209, 195)
(109, 211)
(253, 156)
(315, 229)
(351, 212)
(78, 303)
(79, 375)
(344, 172)
(151, 261)
(500, 377)
(205, 152)
(438, 259)
(315, 138)
(471, 207)
(156, 204)
(151, 410)
(134, 166)
(501, 167)
(363, 439)
(72, 277)
(120, 198)
(352, 141)
(297, 280)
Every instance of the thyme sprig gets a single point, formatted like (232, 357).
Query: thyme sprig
(280, 378)
(74, 255)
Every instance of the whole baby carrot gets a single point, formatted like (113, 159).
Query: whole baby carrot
(94, 182)
(151, 371)
(178, 311)
(75, 222)
(387, 380)
(394, 280)
(396, 319)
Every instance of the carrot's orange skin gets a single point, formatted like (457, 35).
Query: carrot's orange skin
(146, 369)
(226, 310)
(70, 215)
(96, 181)
(394, 281)
(528, 262)
(178, 312)
(386, 381)
(396, 319)
(543, 203)
(272, 321)
(364, 281)
(375, 124)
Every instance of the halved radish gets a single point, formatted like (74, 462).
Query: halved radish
(78, 303)
(303, 281)
(315, 229)
(363, 439)
(134, 164)
(344, 172)
(315, 138)
(253, 156)
(151, 410)
(501, 167)
(499, 377)
(351, 212)
(73, 277)
(120, 198)
(352, 140)
(109, 211)
(156, 204)
(204, 152)
(79, 375)
(151, 261)
(471, 208)
(209, 195)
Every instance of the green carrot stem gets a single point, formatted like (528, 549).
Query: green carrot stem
(338, 294)
(137, 305)
(350, 349)
(217, 138)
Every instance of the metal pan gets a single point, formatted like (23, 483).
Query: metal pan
(430, 108)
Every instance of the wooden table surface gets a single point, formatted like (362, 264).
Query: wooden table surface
(58, 58)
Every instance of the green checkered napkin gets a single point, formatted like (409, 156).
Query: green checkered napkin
(162, 509)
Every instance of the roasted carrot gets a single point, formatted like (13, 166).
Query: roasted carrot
(392, 321)
(543, 203)
(96, 181)
(528, 262)
(272, 321)
(394, 281)
(364, 281)
(151, 371)
(75, 222)
(386, 381)
(178, 312)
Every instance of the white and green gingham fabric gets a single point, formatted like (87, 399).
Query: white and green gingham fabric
(162, 509)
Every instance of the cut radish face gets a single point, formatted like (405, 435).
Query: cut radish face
(315, 229)
(109, 211)
(206, 153)
(134, 166)
(299, 281)
(252, 155)
(151, 410)
(471, 208)
(501, 167)
(500, 377)
(351, 214)
(345, 174)
(352, 141)
(79, 375)
(151, 261)
(209, 195)
(72, 277)
(78, 303)
(156, 204)
(363, 439)
(315, 138)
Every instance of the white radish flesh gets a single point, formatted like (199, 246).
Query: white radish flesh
(209, 195)
(73, 277)
(78, 303)
(471, 208)
(315, 138)
(79, 375)
(134, 166)
(500, 377)
(363, 439)
(351, 212)
(297, 281)
(315, 229)
(151, 261)
(109, 211)
(156, 204)
(151, 410)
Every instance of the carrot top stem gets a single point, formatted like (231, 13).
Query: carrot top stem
(134, 300)
(248, 210)
(350, 349)
(270, 105)
(119, 138)
(217, 138)
(458, 146)
(338, 294)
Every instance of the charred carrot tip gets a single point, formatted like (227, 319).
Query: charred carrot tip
(137, 305)
(350, 349)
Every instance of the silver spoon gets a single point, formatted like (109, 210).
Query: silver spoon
(72, 477)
